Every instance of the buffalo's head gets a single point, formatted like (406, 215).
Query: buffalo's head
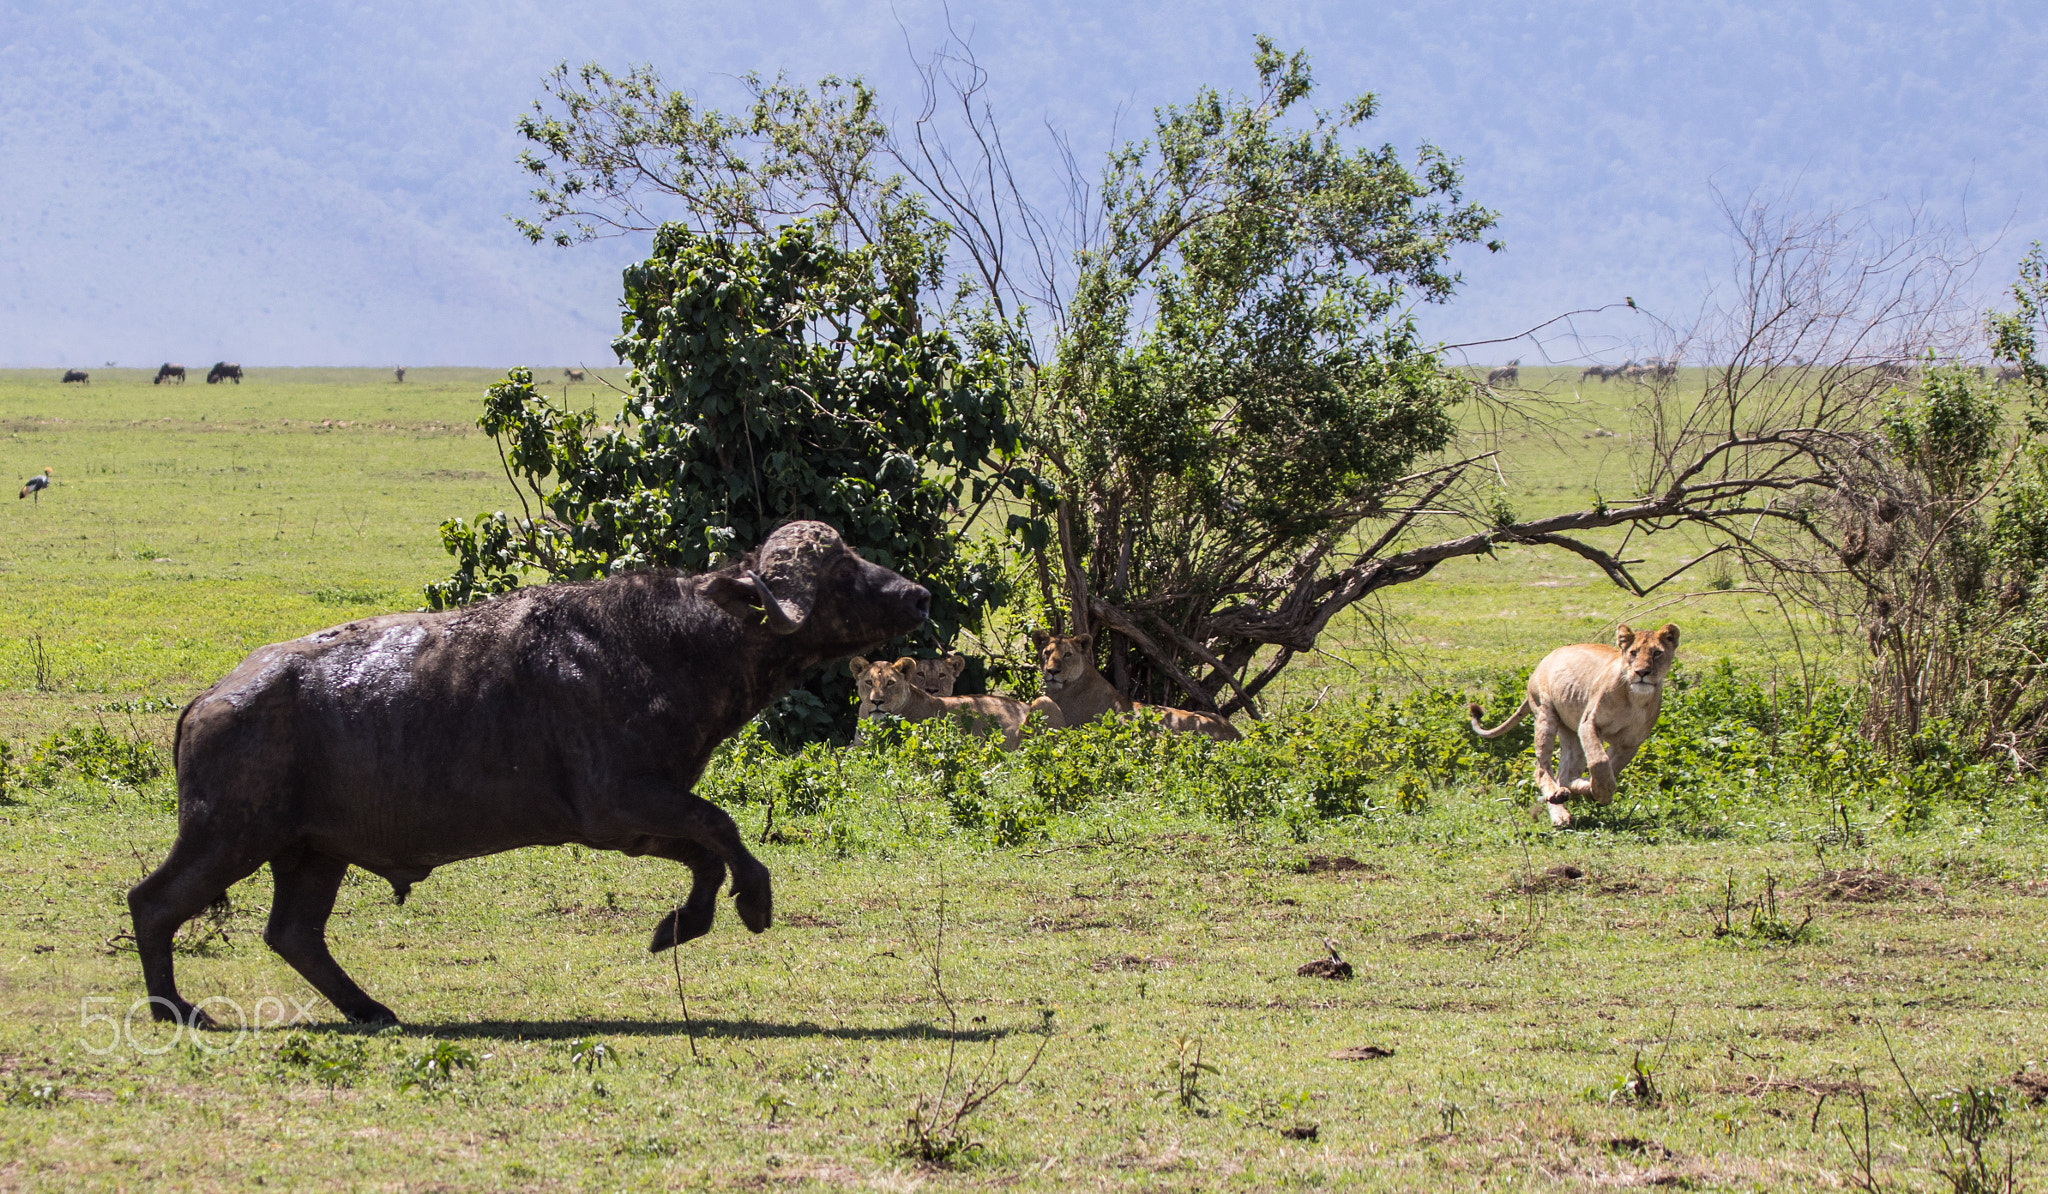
(817, 593)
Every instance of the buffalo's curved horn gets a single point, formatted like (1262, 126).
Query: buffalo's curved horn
(778, 618)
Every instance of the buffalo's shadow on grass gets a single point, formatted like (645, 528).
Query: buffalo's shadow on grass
(705, 1029)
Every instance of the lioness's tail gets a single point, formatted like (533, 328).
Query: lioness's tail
(1514, 719)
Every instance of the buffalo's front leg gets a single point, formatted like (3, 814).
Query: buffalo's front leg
(306, 884)
(692, 919)
(666, 813)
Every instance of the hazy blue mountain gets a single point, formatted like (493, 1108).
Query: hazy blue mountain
(301, 183)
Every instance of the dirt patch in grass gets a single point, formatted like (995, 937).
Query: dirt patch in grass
(1066, 924)
(1127, 962)
(1636, 1146)
(1562, 877)
(1754, 1087)
(802, 920)
(1360, 1053)
(1462, 937)
(2032, 1086)
(1866, 886)
(1341, 864)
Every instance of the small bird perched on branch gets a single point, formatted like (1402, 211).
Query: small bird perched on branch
(36, 485)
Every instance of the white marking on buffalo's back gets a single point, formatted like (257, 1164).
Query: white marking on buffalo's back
(387, 658)
(240, 695)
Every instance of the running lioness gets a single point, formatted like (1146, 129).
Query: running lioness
(1598, 704)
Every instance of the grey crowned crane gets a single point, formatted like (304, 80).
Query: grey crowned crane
(36, 485)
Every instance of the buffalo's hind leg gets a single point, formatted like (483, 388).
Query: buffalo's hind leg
(307, 882)
(693, 919)
(192, 877)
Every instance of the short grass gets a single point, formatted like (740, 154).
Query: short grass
(1514, 996)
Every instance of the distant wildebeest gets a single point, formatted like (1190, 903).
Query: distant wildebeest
(1892, 370)
(79, 375)
(573, 374)
(562, 713)
(224, 371)
(1634, 371)
(1664, 369)
(169, 372)
(1597, 372)
(2010, 373)
(1506, 375)
(400, 371)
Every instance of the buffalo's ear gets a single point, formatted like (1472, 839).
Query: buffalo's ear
(1084, 642)
(734, 594)
(1039, 638)
(1668, 636)
(1624, 637)
(906, 665)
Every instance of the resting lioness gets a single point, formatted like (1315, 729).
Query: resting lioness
(935, 676)
(1585, 696)
(887, 688)
(1069, 676)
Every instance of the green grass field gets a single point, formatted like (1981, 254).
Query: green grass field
(1515, 977)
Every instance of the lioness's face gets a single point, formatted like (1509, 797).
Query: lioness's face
(1064, 660)
(886, 686)
(934, 674)
(1648, 656)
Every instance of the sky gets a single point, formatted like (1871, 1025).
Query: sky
(287, 183)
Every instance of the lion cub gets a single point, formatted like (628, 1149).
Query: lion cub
(1585, 696)
(1070, 677)
(887, 688)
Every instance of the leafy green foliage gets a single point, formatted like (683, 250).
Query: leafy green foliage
(337, 1062)
(774, 378)
(1759, 920)
(95, 753)
(1236, 386)
(591, 1054)
(37, 1093)
(1730, 756)
(434, 1070)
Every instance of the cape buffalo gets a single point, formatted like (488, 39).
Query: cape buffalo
(562, 713)
(170, 372)
(224, 371)
(78, 375)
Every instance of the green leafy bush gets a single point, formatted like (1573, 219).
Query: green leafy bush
(93, 752)
(1730, 755)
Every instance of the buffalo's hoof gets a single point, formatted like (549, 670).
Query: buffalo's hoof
(756, 906)
(165, 1012)
(754, 897)
(677, 927)
(370, 1013)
